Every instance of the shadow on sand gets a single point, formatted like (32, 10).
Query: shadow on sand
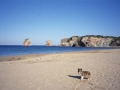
(77, 77)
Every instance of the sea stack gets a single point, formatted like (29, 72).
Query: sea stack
(48, 43)
(27, 42)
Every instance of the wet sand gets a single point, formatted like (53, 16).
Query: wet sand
(59, 71)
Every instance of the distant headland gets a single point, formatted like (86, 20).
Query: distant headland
(90, 41)
(84, 41)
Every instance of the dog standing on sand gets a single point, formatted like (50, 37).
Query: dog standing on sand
(84, 74)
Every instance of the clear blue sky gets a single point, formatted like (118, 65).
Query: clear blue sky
(42, 20)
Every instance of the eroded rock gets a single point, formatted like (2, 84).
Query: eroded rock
(91, 41)
(48, 43)
(27, 42)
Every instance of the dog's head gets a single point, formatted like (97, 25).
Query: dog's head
(79, 70)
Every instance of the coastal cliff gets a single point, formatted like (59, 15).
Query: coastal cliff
(90, 41)
(27, 42)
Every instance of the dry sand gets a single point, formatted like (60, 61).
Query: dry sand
(59, 71)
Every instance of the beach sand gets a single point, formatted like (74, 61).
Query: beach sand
(59, 71)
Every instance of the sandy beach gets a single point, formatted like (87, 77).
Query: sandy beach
(59, 71)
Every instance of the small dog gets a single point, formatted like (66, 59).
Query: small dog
(84, 74)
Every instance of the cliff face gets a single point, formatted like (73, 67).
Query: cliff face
(64, 42)
(91, 41)
(115, 42)
(26, 42)
(48, 43)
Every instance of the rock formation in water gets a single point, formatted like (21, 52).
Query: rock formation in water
(64, 42)
(90, 41)
(27, 42)
(48, 43)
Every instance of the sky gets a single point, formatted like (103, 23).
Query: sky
(42, 20)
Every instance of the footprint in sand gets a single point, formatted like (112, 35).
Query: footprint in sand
(47, 84)
(38, 88)
(97, 83)
(47, 81)
(37, 59)
(87, 88)
(32, 86)
(107, 89)
(106, 81)
(111, 84)
(60, 80)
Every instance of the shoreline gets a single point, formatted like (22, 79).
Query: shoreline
(27, 56)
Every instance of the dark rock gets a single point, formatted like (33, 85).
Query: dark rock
(91, 41)
(115, 42)
(64, 42)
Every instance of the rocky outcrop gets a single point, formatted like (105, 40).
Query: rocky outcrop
(73, 41)
(91, 41)
(64, 42)
(48, 43)
(96, 41)
(27, 42)
(115, 42)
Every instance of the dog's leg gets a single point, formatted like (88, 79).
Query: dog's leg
(89, 79)
(82, 77)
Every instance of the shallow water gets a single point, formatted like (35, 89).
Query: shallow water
(10, 50)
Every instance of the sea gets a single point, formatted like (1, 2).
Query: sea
(15, 50)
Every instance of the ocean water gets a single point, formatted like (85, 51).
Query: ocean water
(12, 50)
